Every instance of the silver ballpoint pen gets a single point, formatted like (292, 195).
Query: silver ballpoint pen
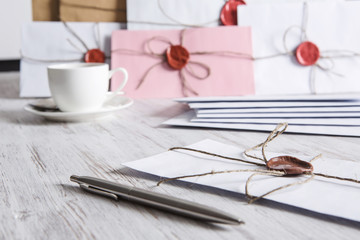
(156, 200)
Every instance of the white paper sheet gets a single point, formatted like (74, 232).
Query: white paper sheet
(48, 41)
(332, 197)
(332, 26)
(184, 120)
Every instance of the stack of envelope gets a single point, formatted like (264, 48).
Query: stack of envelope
(314, 114)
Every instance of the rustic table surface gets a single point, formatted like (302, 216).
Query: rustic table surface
(37, 157)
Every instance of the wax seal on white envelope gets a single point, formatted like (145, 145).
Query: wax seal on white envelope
(307, 53)
(94, 56)
(228, 13)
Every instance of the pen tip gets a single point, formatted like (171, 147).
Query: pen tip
(240, 221)
(74, 178)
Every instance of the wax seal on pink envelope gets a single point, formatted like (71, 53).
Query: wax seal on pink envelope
(307, 53)
(94, 56)
(228, 13)
(177, 56)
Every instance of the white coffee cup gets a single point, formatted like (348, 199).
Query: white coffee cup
(82, 87)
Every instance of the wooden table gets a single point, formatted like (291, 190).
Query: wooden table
(37, 157)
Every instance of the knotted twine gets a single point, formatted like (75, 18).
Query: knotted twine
(263, 162)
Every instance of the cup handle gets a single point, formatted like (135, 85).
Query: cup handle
(121, 86)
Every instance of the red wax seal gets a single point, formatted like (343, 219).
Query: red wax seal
(228, 15)
(94, 56)
(307, 53)
(289, 165)
(177, 56)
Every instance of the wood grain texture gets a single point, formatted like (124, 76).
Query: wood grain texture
(37, 157)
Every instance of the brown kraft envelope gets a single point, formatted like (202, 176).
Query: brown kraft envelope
(45, 10)
(93, 10)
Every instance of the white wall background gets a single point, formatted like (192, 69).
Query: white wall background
(12, 14)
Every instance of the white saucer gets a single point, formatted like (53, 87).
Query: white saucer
(115, 104)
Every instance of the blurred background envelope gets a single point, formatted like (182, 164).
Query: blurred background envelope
(158, 14)
(333, 26)
(46, 43)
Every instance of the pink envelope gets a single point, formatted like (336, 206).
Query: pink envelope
(228, 72)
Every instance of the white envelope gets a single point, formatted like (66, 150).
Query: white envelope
(325, 121)
(331, 25)
(273, 98)
(48, 41)
(228, 111)
(250, 105)
(147, 14)
(264, 103)
(327, 196)
(184, 120)
(175, 14)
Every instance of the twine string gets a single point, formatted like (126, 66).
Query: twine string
(147, 73)
(305, 20)
(182, 23)
(280, 128)
(174, 21)
(218, 155)
(276, 173)
(47, 60)
(75, 46)
(97, 35)
(67, 27)
(192, 72)
(270, 173)
(149, 49)
(288, 51)
(225, 53)
(70, 30)
(182, 33)
(184, 85)
(312, 79)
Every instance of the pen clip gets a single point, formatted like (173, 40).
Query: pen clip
(99, 191)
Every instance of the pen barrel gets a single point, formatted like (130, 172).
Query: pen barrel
(159, 201)
(180, 206)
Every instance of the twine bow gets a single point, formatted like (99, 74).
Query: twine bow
(178, 58)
